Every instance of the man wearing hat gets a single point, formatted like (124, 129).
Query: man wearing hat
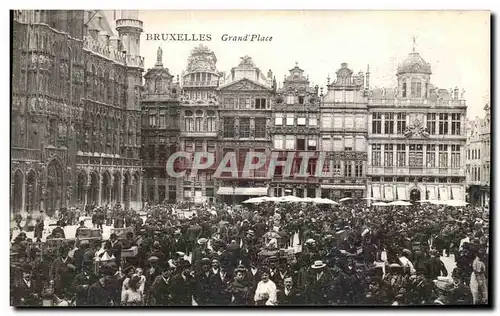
(159, 294)
(82, 283)
(153, 272)
(319, 287)
(101, 293)
(178, 242)
(203, 288)
(62, 271)
(200, 252)
(434, 266)
(116, 247)
(24, 291)
(182, 286)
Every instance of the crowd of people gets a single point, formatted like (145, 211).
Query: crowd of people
(266, 254)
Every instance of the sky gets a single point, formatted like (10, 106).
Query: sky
(455, 43)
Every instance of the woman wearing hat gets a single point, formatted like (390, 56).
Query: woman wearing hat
(240, 288)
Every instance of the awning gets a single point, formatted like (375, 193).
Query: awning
(444, 194)
(376, 191)
(432, 192)
(251, 191)
(457, 193)
(242, 191)
(343, 187)
(225, 191)
(402, 193)
(389, 193)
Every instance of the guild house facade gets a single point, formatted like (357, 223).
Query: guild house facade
(416, 138)
(244, 114)
(295, 130)
(199, 121)
(76, 82)
(160, 131)
(344, 134)
(478, 159)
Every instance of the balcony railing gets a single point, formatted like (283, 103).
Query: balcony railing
(190, 83)
(460, 172)
(25, 154)
(402, 102)
(129, 23)
(108, 161)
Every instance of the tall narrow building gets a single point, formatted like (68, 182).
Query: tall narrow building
(199, 122)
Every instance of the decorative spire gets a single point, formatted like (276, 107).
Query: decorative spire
(159, 57)
(414, 43)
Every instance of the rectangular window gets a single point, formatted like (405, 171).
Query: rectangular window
(260, 125)
(455, 156)
(189, 146)
(337, 121)
(326, 144)
(360, 144)
(229, 103)
(278, 141)
(290, 142)
(152, 120)
(431, 156)
(260, 104)
(326, 121)
(313, 120)
(389, 123)
(301, 144)
(290, 99)
(348, 169)
(443, 123)
(289, 119)
(198, 147)
(377, 123)
(312, 145)
(278, 119)
(337, 144)
(443, 156)
(348, 143)
(211, 147)
(211, 123)
(360, 122)
(376, 155)
(404, 90)
(431, 123)
(358, 169)
(244, 127)
(349, 96)
(416, 89)
(228, 127)
(388, 155)
(336, 168)
(401, 124)
(349, 121)
(401, 155)
(198, 124)
(338, 96)
(301, 100)
(301, 121)
(455, 124)
(416, 158)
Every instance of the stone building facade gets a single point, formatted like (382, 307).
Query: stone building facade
(295, 130)
(344, 135)
(160, 132)
(478, 165)
(75, 110)
(416, 138)
(244, 114)
(199, 121)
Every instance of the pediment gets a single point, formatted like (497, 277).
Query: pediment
(245, 85)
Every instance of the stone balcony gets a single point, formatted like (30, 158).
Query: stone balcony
(414, 171)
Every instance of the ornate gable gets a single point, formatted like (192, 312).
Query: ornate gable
(245, 85)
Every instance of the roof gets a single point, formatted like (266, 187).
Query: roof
(414, 64)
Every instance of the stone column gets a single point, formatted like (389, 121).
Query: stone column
(99, 191)
(155, 190)
(110, 189)
(85, 194)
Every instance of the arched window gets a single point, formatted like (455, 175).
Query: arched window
(198, 126)
(210, 121)
(404, 89)
(189, 121)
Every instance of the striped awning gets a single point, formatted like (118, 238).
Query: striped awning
(444, 193)
(402, 193)
(259, 191)
(432, 192)
(389, 193)
(376, 191)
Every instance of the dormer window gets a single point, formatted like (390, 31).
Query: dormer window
(404, 89)
(290, 99)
